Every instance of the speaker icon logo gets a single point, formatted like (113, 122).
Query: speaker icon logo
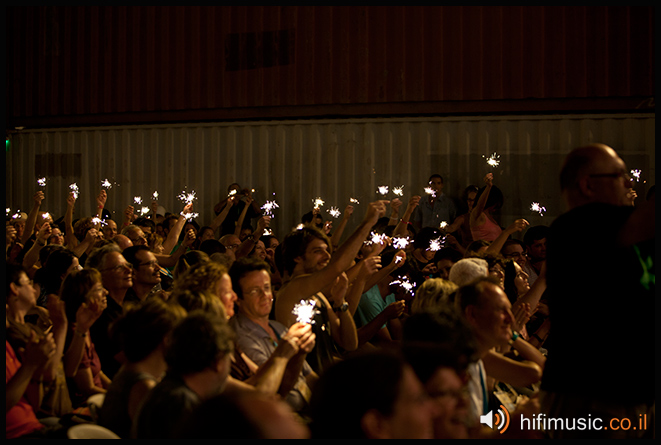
(499, 421)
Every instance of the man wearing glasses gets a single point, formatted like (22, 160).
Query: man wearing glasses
(117, 279)
(601, 293)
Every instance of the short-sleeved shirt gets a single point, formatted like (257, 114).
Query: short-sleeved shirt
(371, 304)
(258, 345)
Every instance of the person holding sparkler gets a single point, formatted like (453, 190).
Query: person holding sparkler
(435, 207)
(311, 271)
(489, 199)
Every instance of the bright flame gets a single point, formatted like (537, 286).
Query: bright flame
(105, 183)
(334, 211)
(430, 191)
(305, 311)
(399, 191)
(636, 175)
(443, 224)
(41, 182)
(318, 202)
(137, 200)
(269, 206)
(188, 198)
(383, 190)
(74, 189)
(405, 283)
(155, 196)
(536, 207)
(400, 243)
(437, 244)
(493, 160)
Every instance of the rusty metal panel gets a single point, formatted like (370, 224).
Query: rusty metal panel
(293, 162)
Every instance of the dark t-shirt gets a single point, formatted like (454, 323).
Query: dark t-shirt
(601, 302)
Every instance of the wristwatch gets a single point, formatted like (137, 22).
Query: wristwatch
(343, 308)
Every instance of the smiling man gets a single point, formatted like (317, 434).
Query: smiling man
(146, 273)
(310, 271)
(276, 350)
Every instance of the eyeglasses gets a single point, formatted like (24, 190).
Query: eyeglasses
(624, 175)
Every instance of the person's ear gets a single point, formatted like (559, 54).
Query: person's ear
(374, 425)
(586, 186)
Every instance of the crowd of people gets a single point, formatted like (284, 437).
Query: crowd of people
(424, 322)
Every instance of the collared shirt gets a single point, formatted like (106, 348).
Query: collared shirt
(427, 214)
(258, 345)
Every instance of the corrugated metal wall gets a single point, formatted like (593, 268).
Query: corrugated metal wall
(142, 64)
(331, 159)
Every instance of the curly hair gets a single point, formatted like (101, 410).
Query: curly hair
(203, 276)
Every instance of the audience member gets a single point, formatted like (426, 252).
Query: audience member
(605, 290)
(482, 222)
(435, 208)
(198, 363)
(378, 396)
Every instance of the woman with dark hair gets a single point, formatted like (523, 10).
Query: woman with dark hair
(57, 263)
(142, 331)
(488, 199)
(378, 395)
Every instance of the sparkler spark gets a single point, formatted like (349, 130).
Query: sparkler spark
(318, 202)
(16, 215)
(635, 174)
(144, 211)
(400, 243)
(404, 283)
(41, 182)
(383, 190)
(437, 244)
(430, 191)
(399, 191)
(376, 238)
(46, 215)
(154, 196)
(536, 207)
(334, 211)
(188, 198)
(74, 189)
(106, 184)
(137, 200)
(190, 216)
(354, 201)
(493, 160)
(96, 220)
(269, 206)
(305, 311)
(443, 224)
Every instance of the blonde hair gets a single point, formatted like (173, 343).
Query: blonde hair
(434, 293)
(203, 276)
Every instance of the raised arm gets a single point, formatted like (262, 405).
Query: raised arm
(497, 244)
(339, 230)
(71, 240)
(401, 227)
(173, 236)
(476, 213)
(32, 217)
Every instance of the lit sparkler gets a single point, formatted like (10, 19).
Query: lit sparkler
(305, 311)
(98, 221)
(106, 184)
(318, 202)
(430, 191)
(354, 201)
(188, 198)
(16, 215)
(493, 160)
(268, 207)
(41, 182)
(334, 211)
(399, 191)
(635, 174)
(536, 207)
(404, 283)
(376, 238)
(443, 224)
(400, 243)
(437, 244)
(154, 196)
(383, 190)
(190, 216)
(74, 190)
(46, 216)
(144, 210)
